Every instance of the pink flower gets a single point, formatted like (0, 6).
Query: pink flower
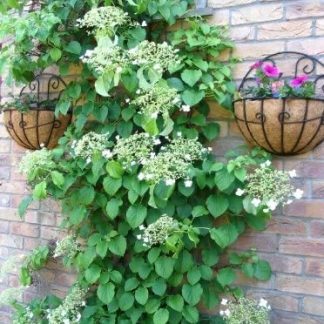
(256, 65)
(298, 81)
(271, 71)
(276, 87)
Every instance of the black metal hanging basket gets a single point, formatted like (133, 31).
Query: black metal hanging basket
(38, 127)
(283, 126)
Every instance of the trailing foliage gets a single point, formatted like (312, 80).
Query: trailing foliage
(150, 210)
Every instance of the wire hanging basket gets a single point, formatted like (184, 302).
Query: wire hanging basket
(38, 127)
(284, 126)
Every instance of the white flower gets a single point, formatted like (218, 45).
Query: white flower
(210, 149)
(66, 321)
(78, 317)
(263, 303)
(227, 313)
(239, 192)
(107, 154)
(169, 182)
(142, 227)
(138, 91)
(144, 23)
(146, 240)
(179, 134)
(292, 173)
(265, 164)
(154, 115)
(42, 145)
(88, 160)
(256, 202)
(127, 100)
(298, 193)
(188, 183)
(224, 301)
(157, 142)
(221, 313)
(185, 108)
(272, 204)
(119, 69)
(140, 176)
(133, 163)
(289, 201)
(138, 237)
(266, 210)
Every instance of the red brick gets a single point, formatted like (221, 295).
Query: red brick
(317, 229)
(277, 301)
(16, 200)
(51, 233)
(301, 9)
(311, 46)
(65, 279)
(301, 246)
(283, 263)
(314, 267)
(306, 208)
(4, 173)
(300, 285)
(31, 243)
(4, 227)
(11, 241)
(227, 3)
(24, 229)
(318, 189)
(314, 306)
(219, 17)
(48, 219)
(14, 187)
(286, 226)
(280, 317)
(242, 33)
(50, 205)
(262, 242)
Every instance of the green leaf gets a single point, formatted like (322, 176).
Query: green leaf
(161, 316)
(141, 295)
(192, 97)
(39, 191)
(102, 248)
(24, 205)
(211, 131)
(73, 47)
(210, 257)
(199, 211)
(111, 185)
(191, 77)
(55, 54)
(262, 270)
(136, 215)
(106, 292)
(224, 235)
(114, 169)
(226, 276)
(152, 305)
(118, 245)
(164, 266)
(217, 205)
(159, 287)
(223, 180)
(191, 314)
(57, 178)
(112, 207)
(193, 276)
(77, 215)
(131, 284)
(192, 294)
(153, 254)
(92, 274)
(126, 301)
(240, 174)
(176, 302)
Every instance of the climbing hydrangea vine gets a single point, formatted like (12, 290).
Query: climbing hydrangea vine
(149, 210)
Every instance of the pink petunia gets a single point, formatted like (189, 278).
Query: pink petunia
(298, 81)
(271, 71)
(256, 65)
(276, 87)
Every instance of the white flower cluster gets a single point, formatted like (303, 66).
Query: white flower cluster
(106, 58)
(36, 165)
(247, 311)
(172, 162)
(157, 100)
(10, 265)
(160, 56)
(158, 232)
(10, 295)
(105, 20)
(91, 143)
(69, 311)
(67, 247)
(268, 187)
(134, 149)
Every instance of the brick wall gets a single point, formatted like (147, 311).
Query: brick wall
(294, 240)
